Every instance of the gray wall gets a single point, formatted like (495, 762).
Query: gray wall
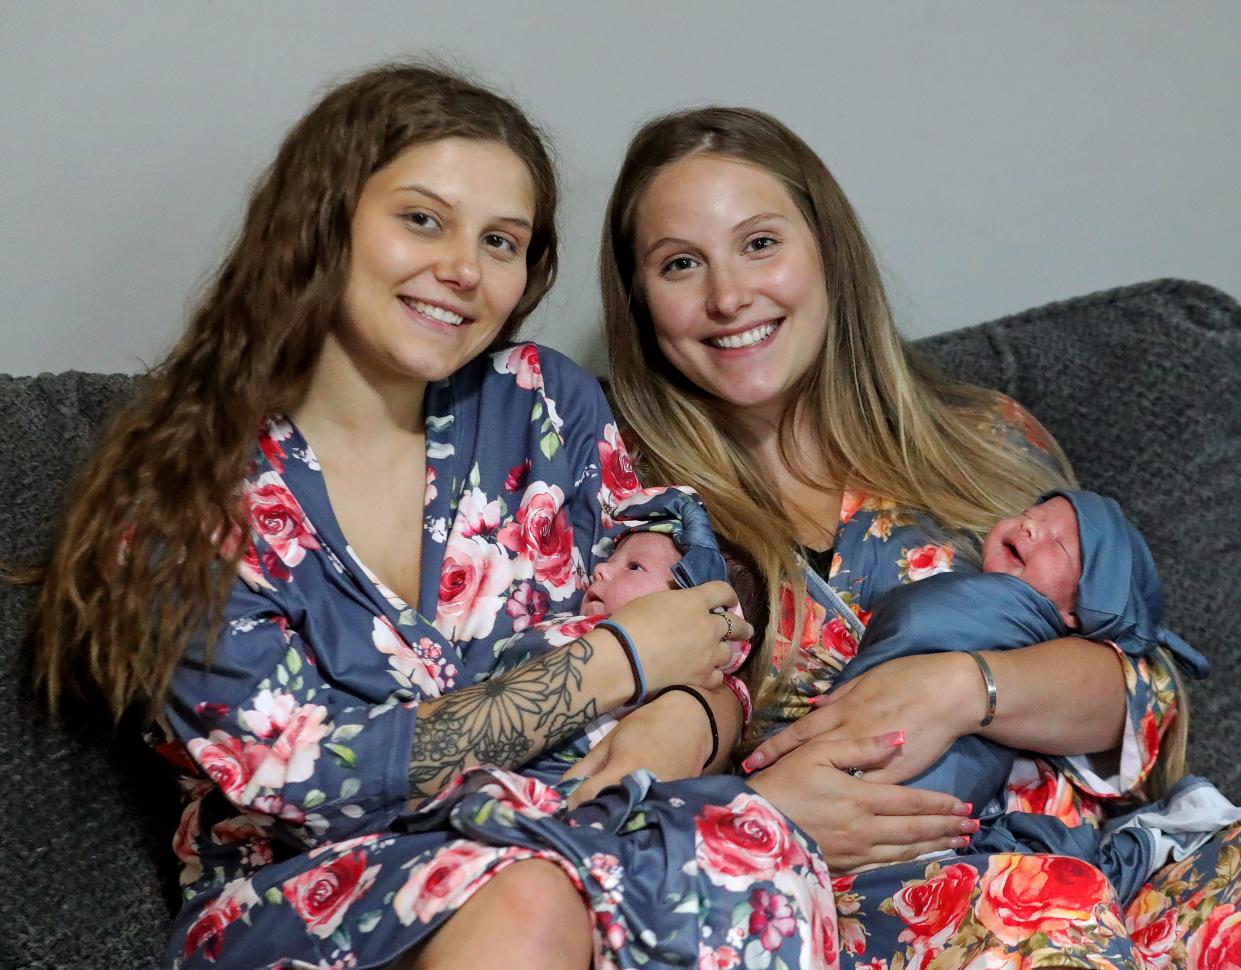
(1001, 153)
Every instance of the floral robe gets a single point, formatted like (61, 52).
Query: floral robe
(1004, 910)
(292, 733)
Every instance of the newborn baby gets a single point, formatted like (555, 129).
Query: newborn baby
(1071, 563)
(641, 564)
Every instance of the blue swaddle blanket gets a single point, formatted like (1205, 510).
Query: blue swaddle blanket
(1120, 598)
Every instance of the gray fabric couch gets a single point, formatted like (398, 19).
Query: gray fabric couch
(1141, 385)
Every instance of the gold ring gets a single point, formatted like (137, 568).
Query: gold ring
(728, 634)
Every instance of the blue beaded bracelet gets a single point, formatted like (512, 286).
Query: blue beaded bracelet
(631, 654)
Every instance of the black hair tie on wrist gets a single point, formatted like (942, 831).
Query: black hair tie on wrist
(715, 731)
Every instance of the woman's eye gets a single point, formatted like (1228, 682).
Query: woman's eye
(494, 240)
(422, 220)
(678, 264)
(760, 243)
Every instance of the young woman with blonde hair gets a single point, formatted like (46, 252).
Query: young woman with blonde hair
(754, 356)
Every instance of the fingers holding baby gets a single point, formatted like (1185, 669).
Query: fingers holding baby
(677, 637)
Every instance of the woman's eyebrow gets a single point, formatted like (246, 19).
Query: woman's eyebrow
(518, 221)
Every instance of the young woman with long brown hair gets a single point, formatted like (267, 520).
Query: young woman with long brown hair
(305, 544)
(754, 356)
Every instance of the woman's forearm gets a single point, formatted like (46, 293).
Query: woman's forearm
(1064, 696)
(510, 718)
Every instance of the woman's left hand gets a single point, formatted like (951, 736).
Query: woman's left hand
(644, 739)
(928, 697)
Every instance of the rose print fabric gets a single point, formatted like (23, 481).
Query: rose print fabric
(292, 731)
(1010, 911)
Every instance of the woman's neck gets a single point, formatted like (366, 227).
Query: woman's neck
(346, 401)
(812, 506)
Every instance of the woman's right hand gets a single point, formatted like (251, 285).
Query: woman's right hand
(859, 823)
(678, 638)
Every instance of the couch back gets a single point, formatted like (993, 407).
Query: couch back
(1141, 385)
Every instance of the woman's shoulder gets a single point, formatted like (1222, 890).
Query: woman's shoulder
(535, 364)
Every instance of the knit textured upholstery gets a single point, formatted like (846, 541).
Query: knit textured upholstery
(1141, 385)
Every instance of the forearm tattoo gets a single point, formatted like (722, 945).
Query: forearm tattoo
(503, 721)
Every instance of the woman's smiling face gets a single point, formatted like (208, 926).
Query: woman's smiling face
(732, 278)
(438, 257)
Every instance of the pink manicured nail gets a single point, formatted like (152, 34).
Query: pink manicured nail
(962, 808)
(959, 841)
(970, 825)
(754, 761)
(893, 739)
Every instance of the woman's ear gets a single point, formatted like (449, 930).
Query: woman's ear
(1070, 620)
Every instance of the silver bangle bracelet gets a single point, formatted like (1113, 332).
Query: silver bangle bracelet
(988, 680)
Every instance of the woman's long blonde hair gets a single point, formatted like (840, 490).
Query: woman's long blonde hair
(145, 555)
(881, 419)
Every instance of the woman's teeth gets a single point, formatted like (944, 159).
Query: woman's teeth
(435, 312)
(744, 339)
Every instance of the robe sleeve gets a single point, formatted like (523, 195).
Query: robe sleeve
(304, 759)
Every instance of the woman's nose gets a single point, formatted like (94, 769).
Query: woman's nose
(458, 268)
(727, 295)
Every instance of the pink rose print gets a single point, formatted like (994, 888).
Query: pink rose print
(1217, 943)
(276, 516)
(322, 896)
(207, 932)
(406, 660)
(560, 632)
(223, 759)
(839, 639)
(615, 470)
(522, 361)
(526, 605)
(526, 796)
(725, 958)
(292, 757)
(477, 515)
(270, 714)
(277, 807)
(244, 831)
(517, 476)
(185, 844)
(443, 882)
(1151, 923)
(1027, 894)
(250, 569)
(430, 490)
(743, 843)
(933, 910)
(612, 931)
(815, 912)
(926, 561)
(270, 437)
(473, 580)
(541, 535)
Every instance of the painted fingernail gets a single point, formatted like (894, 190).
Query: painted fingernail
(959, 841)
(962, 808)
(893, 739)
(754, 761)
(970, 824)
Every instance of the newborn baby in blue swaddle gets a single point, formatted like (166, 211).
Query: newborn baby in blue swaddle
(1070, 564)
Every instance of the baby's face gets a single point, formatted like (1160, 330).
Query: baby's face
(641, 564)
(1042, 547)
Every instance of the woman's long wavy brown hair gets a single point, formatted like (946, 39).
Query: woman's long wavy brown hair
(148, 549)
(879, 417)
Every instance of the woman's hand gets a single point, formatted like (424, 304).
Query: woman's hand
(933, 699)
(678, 638)
(654, 737)
(856, 821)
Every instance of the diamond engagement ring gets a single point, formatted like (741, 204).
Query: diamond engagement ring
(855, 772)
